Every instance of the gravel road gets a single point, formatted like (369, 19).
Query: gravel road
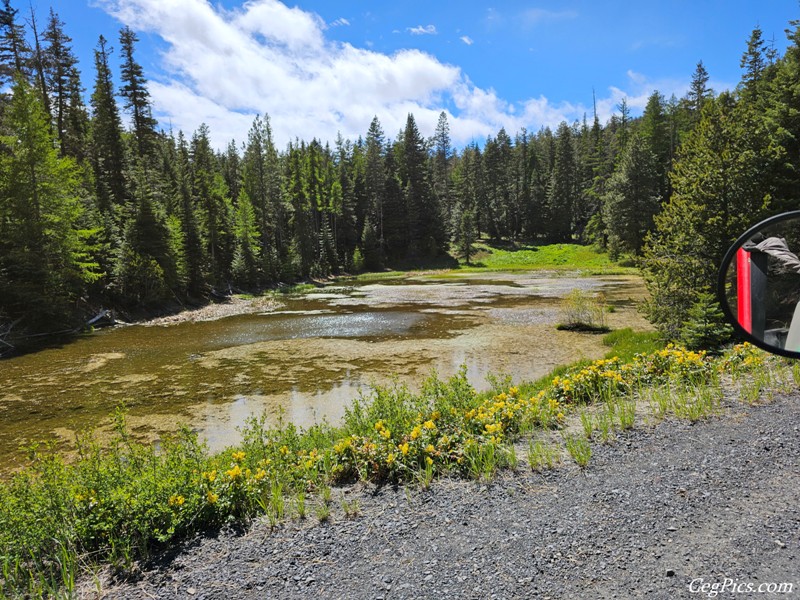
(660, 513)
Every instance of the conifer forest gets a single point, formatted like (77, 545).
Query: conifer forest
(101, 205)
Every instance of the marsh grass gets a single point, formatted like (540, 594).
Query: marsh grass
(582, 311)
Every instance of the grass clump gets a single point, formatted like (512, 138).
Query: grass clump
(579, 449)
(582, 311)
(542, 456)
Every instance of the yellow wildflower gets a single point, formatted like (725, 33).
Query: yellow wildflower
(210, 475)
(429, 425)
(260, 474)
(234, 473)
(416, 432)
(284, 450)
(212, 497)
(404, 448)
(430, 449)
(428, 461)
(513, 391)
(176, 500)
(390, 459)
(238, 456)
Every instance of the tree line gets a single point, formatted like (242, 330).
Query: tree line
(92, 212)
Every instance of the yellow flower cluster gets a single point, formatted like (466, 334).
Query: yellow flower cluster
(176, 500)
(234, 473)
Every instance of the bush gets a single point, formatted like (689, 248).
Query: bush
(705, 326)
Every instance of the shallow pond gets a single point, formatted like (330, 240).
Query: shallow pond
(305, 356)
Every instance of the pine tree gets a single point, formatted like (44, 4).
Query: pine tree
(15, 54)
(631, 199)
(194, 250)
(244, 267)
(108, 156)
(722, 183)
(61, 75)
(699, 93)
(562, 190)
(442, 168)
(136, 96)
(425, 227)
(375, 176)
(45, 257)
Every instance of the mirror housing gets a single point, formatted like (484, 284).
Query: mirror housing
(758, 285)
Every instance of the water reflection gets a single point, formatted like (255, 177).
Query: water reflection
(307, 359)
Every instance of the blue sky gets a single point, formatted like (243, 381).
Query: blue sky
(320, 67)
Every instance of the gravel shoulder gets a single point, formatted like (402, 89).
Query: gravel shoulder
(653, 512)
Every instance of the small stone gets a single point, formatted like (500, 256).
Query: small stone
(670, 573)
(780, 544)
(191, 591)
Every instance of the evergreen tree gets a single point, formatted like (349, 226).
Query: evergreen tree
(136, 96)
(395, 216)
(213, 204)
(497, 162)
(631, 199)
(426, 230)
(562, 189)
(244, 267)
(146, 270)
(699, 93)
(193, 250)
(61, 76)
(38, 63)
(654, 129)
(442, 168)
(722, 184)
(108, 155)
(15, 54)
(45, 257)
(375, 176)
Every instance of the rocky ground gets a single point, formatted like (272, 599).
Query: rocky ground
(657, 514)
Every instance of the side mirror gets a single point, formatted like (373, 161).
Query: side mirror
(759, 285)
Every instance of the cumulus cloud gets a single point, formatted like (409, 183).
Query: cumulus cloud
(223, 67)
(423, 30)
(467, 40)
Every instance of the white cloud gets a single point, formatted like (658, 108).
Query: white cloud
(467, 40)
(536, 16)
(224, 67)
(341, 21)
(423, 30)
